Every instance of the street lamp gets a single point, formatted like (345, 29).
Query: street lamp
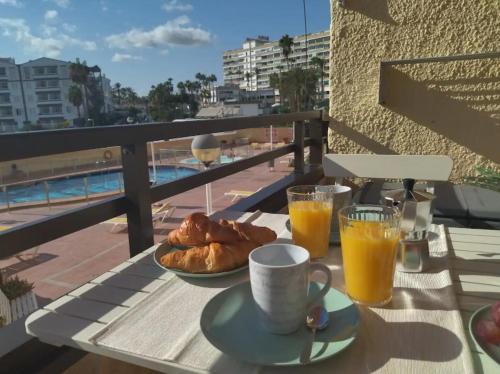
(206, 149)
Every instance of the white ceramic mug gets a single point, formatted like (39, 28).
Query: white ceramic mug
(279, 276)
(342, 197)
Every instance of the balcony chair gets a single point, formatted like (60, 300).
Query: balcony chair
(160, 213)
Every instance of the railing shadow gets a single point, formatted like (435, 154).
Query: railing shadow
(25, 264)
(452, 118)
(360, 138)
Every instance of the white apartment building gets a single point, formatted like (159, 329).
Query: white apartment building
(250, 66)
(36, 92)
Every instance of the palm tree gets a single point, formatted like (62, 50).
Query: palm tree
(79, 74)
(257, 71)
(181, 86)
(117, 93)
(75, 97)
(212, 79)
(248, 75)
(286, 43)
(204, 83)
(320, 64)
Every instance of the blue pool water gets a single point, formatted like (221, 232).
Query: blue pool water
(98, 182)
(223, 160)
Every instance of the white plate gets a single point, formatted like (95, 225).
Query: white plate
(164, 248)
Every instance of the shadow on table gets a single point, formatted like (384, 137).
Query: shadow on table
(221, 282)
(377, 343)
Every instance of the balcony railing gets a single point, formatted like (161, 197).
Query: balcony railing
(139, 195)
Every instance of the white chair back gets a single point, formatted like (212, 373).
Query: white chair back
(419, 167)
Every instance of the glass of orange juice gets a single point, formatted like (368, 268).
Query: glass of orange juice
(310, 216)
(369, 236)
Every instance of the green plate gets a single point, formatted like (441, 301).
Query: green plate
(164, 248)
(488, 349)
(229, 321)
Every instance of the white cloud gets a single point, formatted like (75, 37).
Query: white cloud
(175, 32)
(175, 5)
(68, 27)
(104, 6)
(51, 15)
(62, 3)
(51, 46)
(164, 52)
(15, 3)
(48, 30)
(120, 57)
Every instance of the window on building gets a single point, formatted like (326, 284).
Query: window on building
(19, 112)
(40, 84)
(4, 98)
(38, 70)
(50, 109)
(4, 85)
(27, 73)
(51, 70)
(52, 83)
(6, 111)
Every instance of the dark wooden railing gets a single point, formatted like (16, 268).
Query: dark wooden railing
(139, 195)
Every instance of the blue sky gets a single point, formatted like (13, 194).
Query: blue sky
(144, 42)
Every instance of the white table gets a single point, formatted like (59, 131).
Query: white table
(475, 258)
(74, 319)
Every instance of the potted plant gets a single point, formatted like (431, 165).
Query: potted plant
(16, 299)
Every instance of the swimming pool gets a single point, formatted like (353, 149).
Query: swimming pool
(223, 160)
(73, 186)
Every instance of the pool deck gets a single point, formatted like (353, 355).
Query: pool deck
(64, 264)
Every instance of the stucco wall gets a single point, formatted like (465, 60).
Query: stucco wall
(450, 108)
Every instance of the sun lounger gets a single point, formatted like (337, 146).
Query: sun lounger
(160, 213)
(236, 194)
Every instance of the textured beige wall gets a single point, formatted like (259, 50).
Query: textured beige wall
(450, 108)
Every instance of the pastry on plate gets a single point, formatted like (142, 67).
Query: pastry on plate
(211, 258)
(198, 230)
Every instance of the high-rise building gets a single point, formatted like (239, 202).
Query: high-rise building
(250, 67)
(36, 92)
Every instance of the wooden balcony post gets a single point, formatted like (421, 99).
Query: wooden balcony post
(298, 135)
(316, 148)
(138, 194)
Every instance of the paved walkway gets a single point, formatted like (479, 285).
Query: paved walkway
(64, 264)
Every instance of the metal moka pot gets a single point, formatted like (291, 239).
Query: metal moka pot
(416, 217)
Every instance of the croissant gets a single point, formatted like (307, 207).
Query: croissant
(247, 231)
(197, 230)
(212, 258)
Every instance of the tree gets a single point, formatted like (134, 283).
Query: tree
(248, 76)
(212, 79)
(297, 88)
(96, 100)
(181, 86)
(286, 43)
(117, 93)
(204, 82)
(129, 96)
(320, 65)
(78, 72)
(75, 97)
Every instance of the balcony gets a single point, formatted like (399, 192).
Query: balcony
(6, 114)
(138, 195)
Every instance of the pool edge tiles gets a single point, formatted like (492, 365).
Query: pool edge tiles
(99, 183)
